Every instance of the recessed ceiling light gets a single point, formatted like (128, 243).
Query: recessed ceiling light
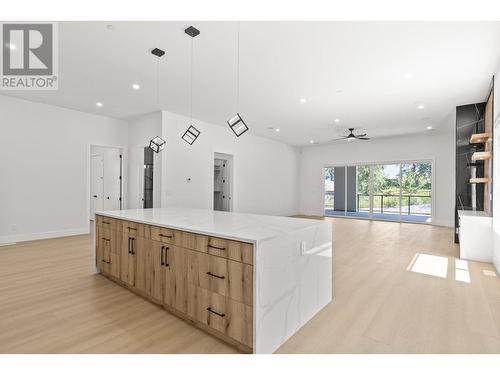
(408, 75)
(337, 120)
(303, 100)
(136, 86)
(277, 130)
(420, 106)
(99, 104)
(430, 127)
(311, 141)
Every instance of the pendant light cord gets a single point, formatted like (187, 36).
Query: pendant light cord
(158, 82)
(191, 83)
(238, 71)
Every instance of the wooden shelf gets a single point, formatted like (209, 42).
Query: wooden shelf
(480, 138)
(479, 180)
(482, 155)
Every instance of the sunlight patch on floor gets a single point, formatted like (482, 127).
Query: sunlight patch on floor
(489, 273)
(431, 265)
(462, 271)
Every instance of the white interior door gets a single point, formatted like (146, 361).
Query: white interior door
(97, 184)
(111, 183)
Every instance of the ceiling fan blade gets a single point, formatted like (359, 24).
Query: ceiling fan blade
(363, 138)
(360, 135)
(339, 139)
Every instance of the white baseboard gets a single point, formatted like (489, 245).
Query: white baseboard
(42, 235)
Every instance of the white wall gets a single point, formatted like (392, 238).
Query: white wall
(265, 171)
(140, 131)
(434, 145)
(44, 161)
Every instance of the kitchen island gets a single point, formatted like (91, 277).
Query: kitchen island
(251, 280)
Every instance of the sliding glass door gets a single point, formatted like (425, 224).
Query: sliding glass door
(399, 191)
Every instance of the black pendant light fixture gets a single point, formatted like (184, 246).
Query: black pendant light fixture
(236, 123)
(191, 134)
(157, 144)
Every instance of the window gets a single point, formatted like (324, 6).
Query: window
(398, 191)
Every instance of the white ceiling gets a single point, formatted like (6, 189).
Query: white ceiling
(370, 75)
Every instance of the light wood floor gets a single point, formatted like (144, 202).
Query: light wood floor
(50, 302)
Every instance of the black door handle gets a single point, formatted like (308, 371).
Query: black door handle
(166, 256)
(130, 245)
(214, 275)
(107, 197)
(95, 196)
(133, 246)
(209, 309)
(162, 261)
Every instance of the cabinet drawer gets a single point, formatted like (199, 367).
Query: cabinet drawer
(109, 238)
(229, 317)
(222, 276)
(137, 229)
(106, 222)
(234, 250)
(165, 235)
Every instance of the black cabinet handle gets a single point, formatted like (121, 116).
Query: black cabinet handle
(106, 261)
(95, 196)
(166, 256)
(209, 309)
(106, 239)
(162, 261)
(216, 247)
(214, 275)
(164, 235)
(130, 228)
(106, 222)
(133, 246)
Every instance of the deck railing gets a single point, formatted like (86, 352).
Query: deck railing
(379, 198)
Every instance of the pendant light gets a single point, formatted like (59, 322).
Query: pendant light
(157, 144)
(236, 123)
(191, 134)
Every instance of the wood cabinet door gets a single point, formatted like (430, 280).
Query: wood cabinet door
(140, 250)
(154, 269)
(168, 275)
(127, 259)
(177, 263)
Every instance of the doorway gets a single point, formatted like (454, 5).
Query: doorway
(105, 179)
(223, 173)
(396, 191)
(147, 200)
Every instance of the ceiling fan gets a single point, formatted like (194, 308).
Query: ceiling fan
(352, 136)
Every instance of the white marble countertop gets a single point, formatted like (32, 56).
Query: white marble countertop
(470, 213)
(230, 225)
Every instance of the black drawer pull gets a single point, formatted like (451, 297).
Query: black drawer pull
(209, 309)
(106, 261)
(216, 247)
(214, 275)
(106, 239)
(164, 235)
(106, 222)
(130, 228)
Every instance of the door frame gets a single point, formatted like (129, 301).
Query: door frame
(123, 173)
(231, 178)
(431, 160)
